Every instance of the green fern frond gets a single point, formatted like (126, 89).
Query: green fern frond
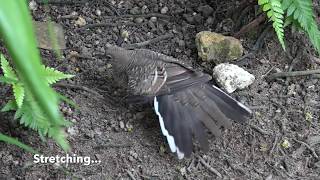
(18, 92)
(14, 141)
(302, 11)
(52, 76)
(7, 69)
(275, 14)
(31, 116)
(7, 80)
(27, 109)
(10, 106)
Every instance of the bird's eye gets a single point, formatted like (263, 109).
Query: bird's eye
(109, 57)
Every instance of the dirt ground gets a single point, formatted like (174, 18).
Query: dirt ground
(281, 141)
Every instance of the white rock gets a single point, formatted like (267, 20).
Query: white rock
(232, 77)
(98, 12)
(33, 5)
(80, 21)
(73, 131)
(164, 10)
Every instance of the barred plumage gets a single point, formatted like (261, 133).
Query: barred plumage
(183, 99)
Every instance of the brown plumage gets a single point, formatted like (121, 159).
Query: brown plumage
(183, 99)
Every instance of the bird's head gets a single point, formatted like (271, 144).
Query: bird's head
(117, 55)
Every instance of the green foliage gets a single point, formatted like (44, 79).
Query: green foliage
(26, 107)
(302, 12)
(17, 33)
(275, 14)
(16, 142)
(299, 13)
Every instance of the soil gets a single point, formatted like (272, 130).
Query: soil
(281, 141)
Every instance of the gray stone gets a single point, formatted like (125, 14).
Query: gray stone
(135, 10)
(44, 38)
(218, 48)
(138, 20)
(206, 10)
(164, 10)
(232, 77)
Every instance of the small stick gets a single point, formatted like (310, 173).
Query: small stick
(151, 41)
(307, 145)
(97, 25)
(141, 15)
(73, 86)
(210, 168)
(293, 73)
(259, 130)
(130, 175)
(253, 24)
(274, 145)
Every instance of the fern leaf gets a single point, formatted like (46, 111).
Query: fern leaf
(14, 141)
(275, 14)
(11, 105)
(7, 69)
(18, 91)
(7, 80)
(52, 76)
(302, 11)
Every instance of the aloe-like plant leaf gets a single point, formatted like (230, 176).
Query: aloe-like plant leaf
(14, 141)
(17, 33)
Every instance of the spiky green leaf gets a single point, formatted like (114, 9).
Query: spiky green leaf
(275, 13)
(18, 91)
(16, 142)
(10, 106)
(7, 80)
(7, 69)
(302, 12)
(52, 76)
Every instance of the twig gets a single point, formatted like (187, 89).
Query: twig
(257, 45)
(307, 145)
(73, 86)
(113, 145)
(250, 26)
(140, 15)
(274, 145)
(151, 41)
(68, 16)
(97, 25)
(130, 174)
(261, 131)
(210, 168)
(62, 2)
(293, 73)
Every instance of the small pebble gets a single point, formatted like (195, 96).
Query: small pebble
(121, 124)
(153, 19)
(131, 159)
(164, 10)
(181, 43)
(33, 5)
(138, 20)
(80, 21)
(125, 34)
(98, 12)
(73, 131)
(144, 9)
(135, 10)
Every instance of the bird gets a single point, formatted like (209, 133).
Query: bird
(186, 103)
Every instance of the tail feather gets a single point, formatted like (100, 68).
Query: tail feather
(185, 114)
(230, 107)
